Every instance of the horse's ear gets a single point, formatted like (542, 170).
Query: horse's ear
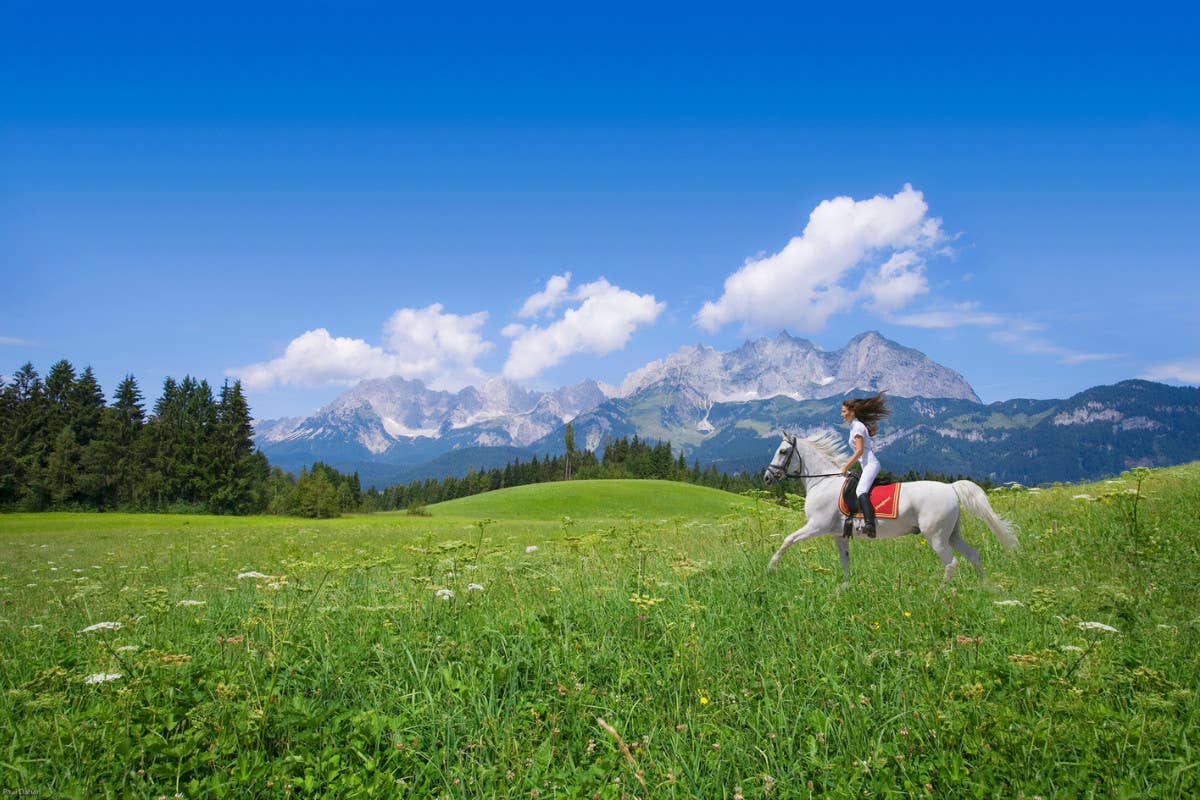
(785, 434)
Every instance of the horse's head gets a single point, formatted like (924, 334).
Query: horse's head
(781, 464)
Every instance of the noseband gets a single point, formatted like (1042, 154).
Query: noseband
(777, 472)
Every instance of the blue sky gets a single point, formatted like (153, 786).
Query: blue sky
(306, 195)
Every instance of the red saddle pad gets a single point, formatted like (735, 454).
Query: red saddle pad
(886, 500)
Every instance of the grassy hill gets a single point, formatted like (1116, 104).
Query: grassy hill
(596, 500)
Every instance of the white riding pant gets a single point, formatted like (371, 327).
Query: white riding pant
(870, 471)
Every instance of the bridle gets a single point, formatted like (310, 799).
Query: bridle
(777, 472)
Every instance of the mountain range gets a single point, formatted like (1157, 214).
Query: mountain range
(722, 408)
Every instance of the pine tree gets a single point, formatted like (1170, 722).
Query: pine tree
(96, 479)
(125, 432)
(240, 471)
(28, 440)
(569, 441)
(8, 464)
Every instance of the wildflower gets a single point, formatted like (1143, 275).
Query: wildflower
(531, 549)
(875, 625)
(102, 626)
(1083, 497)
(1007, 603)
(444, 594)
(1070, 648)
(703, 700)
(908, 613)
(191, 603)
(256, 575)
(644, 600)
(1097, 626)
(128, 648)
(474, 587)
(102, 677)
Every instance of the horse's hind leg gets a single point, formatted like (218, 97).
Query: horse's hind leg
(941, 545)
(960, 544)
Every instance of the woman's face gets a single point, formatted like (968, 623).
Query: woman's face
(847, 414)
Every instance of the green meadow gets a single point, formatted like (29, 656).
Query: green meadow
(603, 639)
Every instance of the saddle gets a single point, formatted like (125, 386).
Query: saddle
(885, 496)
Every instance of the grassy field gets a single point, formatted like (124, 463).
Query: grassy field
(607, 639)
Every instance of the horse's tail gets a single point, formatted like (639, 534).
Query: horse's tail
(973, 497)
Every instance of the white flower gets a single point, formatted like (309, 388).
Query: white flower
(102, 626)
(1097, 626)
(1070, 648)
(129, 648)
(1007, 603)
(474, 587)
(191, 603)
(444, 594)
(1083, 497)
(244, 575)
(102, 677)
(531, 549)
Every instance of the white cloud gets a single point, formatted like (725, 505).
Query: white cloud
(896, 282)
(425, 344)
(804, 284)
(13, 341)
(554, 295)
(1016, 334)
(603, 322)
(953, 317)
(428, 337)
(1178, 371)
(1024, 342)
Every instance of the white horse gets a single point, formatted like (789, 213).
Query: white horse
(926, 507)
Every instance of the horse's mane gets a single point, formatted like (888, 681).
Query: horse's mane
(828, 444)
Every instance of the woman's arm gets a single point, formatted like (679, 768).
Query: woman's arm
(858, 451)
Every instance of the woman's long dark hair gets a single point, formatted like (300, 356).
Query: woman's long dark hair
(869, 410)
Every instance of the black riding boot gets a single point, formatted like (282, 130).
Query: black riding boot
(868, 512)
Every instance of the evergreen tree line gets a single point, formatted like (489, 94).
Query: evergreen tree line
(63, 447)
(623, 458)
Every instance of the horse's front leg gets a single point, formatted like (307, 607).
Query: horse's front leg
(843, 545)
(810, 530)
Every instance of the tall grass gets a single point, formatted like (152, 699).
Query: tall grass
(590, 653)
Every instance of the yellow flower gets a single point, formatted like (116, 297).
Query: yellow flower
(703, 700)
(908, 613)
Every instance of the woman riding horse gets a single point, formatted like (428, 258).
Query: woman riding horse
(863, 414)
